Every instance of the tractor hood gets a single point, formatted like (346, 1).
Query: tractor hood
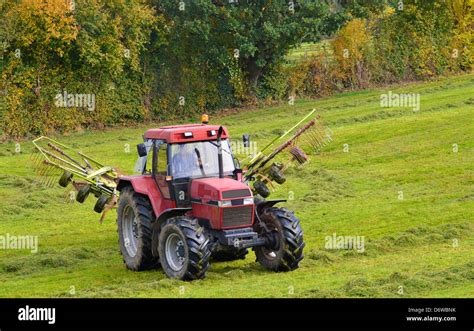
(216, 189)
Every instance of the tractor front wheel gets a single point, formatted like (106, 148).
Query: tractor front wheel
(285, 236)
(184, 248)
(134, 221)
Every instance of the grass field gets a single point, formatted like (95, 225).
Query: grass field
(307, 50)
(418, 246)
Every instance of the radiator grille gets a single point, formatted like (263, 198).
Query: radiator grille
(237, 216)
(235, 194)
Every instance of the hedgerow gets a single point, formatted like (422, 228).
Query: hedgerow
(153, 60)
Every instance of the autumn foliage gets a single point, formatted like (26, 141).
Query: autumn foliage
(153, 60)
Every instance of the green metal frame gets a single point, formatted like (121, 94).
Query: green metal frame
(309, 130)
(57, 155)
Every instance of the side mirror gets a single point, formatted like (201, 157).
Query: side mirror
(238, 174)
(246, 140)
(141, 149)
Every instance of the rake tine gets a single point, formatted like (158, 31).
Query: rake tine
(43, 168)
(42, 178)
(52, 175)
(312, 137)
(48, 175)
(35, 160)
(34, 167)
(314, 141)
(38, 160)
(45, 178)
(32, 157)
(311, 131)
(40, 166)
(311, 140)
(324, 131)
(318, 137)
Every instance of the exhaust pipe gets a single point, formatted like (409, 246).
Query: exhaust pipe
(219, 152)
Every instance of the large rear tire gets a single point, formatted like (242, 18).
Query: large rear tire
(284, 230)
(134, 221)
(184, 248)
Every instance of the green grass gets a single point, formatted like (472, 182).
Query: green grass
(410, 244)
(306, 50)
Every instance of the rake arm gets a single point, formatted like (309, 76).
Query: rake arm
(266, 167)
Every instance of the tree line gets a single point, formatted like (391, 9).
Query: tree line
(168, 59)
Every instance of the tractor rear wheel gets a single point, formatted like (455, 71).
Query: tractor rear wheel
(286, 240)
(184, 248)
(134, 222)
(229, 253)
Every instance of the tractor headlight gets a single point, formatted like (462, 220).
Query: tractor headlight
(248, 201)
(224, 203)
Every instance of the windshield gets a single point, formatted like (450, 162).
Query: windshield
(199, 159)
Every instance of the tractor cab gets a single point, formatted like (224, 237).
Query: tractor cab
(177, 155)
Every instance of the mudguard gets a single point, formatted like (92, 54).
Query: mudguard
(146, 185)
(261, 205)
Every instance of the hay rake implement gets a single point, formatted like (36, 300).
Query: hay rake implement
(269, 164)
(51, 160)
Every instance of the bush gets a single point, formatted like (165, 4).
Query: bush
(351, 45)
(274, 85)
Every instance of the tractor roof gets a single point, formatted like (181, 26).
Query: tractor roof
(185, 133)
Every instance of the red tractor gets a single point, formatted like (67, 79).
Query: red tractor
(191, 203)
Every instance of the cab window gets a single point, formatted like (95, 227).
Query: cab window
(162, 162)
